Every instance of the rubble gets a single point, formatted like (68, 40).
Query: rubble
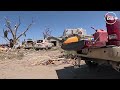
(34, 58)
(54, 61)
(11, 55)
(3, 49)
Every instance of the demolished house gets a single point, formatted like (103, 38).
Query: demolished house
(74, 31)
(55, 41)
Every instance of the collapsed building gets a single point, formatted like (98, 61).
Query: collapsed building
(78, 31)
(55, 41)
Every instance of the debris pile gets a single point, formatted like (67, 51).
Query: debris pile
(59, 60)
(2, 49)
(52, 62)
(11, 55)
(35, 58)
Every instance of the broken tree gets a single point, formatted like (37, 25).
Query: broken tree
(13, 32)
(47, 33)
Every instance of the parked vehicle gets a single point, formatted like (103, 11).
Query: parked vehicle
(29, 44)
(42, 44)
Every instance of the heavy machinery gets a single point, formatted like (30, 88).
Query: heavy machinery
(103, 48)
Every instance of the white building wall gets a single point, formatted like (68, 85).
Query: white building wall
(74, 31)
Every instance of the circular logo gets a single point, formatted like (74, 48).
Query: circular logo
(110, 16)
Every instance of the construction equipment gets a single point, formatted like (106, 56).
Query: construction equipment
(103, 48)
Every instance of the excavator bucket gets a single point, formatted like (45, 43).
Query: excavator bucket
(75, 46)
(71, 40)
(73, 43)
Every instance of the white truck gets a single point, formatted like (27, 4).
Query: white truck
(42, 44)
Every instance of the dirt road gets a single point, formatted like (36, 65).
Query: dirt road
(29, 67)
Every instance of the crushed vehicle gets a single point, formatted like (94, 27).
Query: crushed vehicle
(29, 44)
(43, 44)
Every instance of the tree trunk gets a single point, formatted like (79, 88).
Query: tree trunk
(13, 42)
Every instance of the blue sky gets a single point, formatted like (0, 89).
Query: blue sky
(56, 20)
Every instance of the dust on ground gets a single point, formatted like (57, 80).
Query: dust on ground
(31, 64)
(50, 64)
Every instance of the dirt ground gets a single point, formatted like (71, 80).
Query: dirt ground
(30, 64)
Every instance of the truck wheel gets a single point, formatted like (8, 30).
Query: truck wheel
(91, 63)
(36, 49)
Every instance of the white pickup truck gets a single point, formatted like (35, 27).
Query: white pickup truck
(43, 44)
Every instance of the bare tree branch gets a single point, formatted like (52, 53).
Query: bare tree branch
(5, 37)
(48, 32)
(17, 26)
(9, 26)
(44, 35)
(24, 31)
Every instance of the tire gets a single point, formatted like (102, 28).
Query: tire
(36, 49)
(91, 63)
